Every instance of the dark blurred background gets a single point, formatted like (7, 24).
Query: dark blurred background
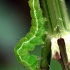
(15, 22)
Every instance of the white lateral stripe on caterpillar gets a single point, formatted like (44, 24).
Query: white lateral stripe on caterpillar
(34, 34)
(33, 38)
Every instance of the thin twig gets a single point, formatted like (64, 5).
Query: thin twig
(63, 61)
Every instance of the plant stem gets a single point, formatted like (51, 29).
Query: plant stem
(64, 14)
(54, 15)
(57, 23)
(46, 15)
(46, 55)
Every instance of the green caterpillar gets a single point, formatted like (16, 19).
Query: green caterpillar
(33, 38)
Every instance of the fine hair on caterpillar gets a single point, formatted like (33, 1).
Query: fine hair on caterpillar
(33, 38)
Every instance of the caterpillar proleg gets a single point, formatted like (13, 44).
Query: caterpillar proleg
(33, 38)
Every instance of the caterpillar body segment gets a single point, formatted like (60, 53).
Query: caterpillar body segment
(33, 38)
